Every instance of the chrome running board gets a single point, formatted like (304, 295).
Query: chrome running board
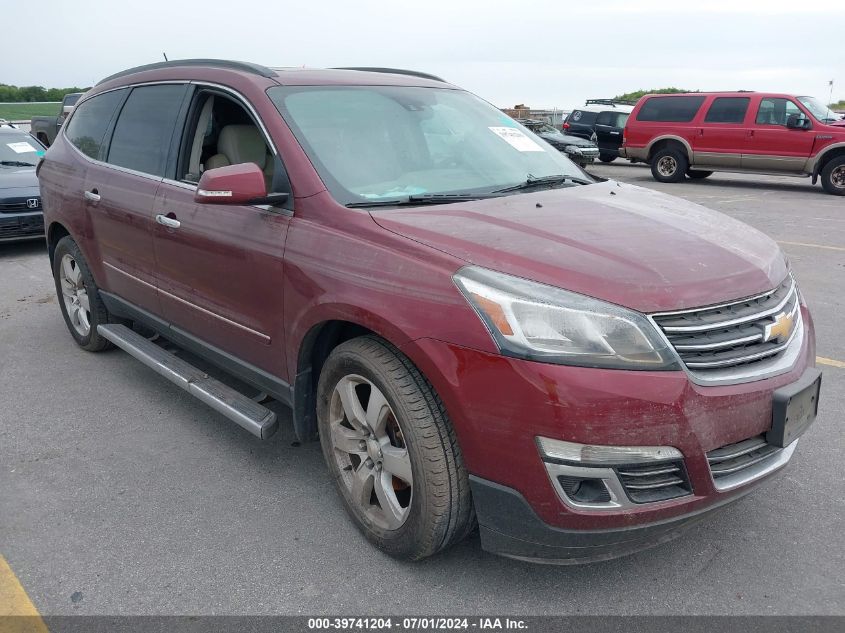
(240, 409)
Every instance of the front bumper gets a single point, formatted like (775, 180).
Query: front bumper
(21, 226)
(500, 405)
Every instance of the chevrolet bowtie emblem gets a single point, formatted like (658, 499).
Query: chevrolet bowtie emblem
(780, 329)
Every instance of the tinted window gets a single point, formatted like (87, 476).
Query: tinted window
(91, 119)
(71, 99)
(776, 111)
(727, 110)
(582, 117)
(670, 109)
(611, 118)
(144, 128)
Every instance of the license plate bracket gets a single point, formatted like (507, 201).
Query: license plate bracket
(794, 407)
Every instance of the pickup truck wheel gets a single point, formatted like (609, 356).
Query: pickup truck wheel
(607, 158)
(833, 176)
(79, 297)
(698, 174)
(391, 450)
(669, 165)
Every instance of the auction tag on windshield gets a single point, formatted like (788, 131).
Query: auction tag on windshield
(516, 139)
(21, 148)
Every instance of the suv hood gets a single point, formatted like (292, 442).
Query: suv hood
(560, 138)
(631, 246)
(13, 177)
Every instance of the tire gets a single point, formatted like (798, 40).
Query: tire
(669, 165)
(607, 158)
(697, 174)
(833, 176)
(429, 507)
(75, 287)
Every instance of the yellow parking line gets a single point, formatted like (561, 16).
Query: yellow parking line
(821, 360)
(830, 248)
(17, 613)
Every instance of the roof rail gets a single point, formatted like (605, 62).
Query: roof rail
(255, 69)
(610, 102)
(393, 71)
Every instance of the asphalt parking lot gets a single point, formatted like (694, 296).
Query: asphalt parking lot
(121, 494)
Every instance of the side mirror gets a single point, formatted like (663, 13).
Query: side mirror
(798, 122)
(235, 184)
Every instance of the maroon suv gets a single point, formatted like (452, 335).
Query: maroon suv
(476, 330)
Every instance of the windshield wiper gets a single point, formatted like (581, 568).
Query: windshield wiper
(533, 181)
(423, 198)
(15, 163)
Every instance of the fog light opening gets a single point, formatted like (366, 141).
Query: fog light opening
(584, 490)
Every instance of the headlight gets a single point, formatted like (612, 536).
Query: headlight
(543, 323)
(572, 149)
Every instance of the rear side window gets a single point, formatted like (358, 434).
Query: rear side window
(90, 121)
(582, 117)
(144, 128)
(727, 110)
(611, 118)
(670, 109)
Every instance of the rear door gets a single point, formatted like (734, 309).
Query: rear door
(609, 127)
(120, 190)
(721, 135)
(771, 146)
(221, 266)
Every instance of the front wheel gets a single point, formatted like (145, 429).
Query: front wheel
(833, 176)
(607, 158)
(79, 297)
(669, 165)
(698, 174)
(391, 450)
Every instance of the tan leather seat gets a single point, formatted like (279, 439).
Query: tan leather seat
(239, 144)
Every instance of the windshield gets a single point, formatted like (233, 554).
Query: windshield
(392, 142)
(819, 110)
(17, 148)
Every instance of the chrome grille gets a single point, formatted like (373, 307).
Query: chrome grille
(735, 333)
(654, 482)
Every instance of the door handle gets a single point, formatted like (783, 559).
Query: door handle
(171, 223)
(92, 196)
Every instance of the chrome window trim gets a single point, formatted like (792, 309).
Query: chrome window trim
(770, 464)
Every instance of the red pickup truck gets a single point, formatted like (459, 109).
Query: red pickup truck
(692, 135)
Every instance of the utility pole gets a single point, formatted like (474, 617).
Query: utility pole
(830, 94)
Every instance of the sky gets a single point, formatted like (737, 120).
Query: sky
(540, 53)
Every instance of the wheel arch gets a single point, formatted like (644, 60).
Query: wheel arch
(322, 336)
(55, 232)
(669, 141)
(827, 155)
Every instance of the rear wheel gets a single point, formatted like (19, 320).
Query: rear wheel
(697, 174)
(833, 176)
(669, 165)
(391, 450)
(79, 297)
(607, 158)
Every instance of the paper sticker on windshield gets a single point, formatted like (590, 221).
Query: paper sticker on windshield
(21, 148)
(516, 139)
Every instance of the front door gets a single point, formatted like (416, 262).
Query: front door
(772, 146)
(220, 266)
(609, 128)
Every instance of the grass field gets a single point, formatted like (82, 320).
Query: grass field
(25, 111)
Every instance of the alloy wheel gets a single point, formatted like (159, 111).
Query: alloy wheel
(369, 448)
(667, 166)
(75, 296)
(837, 177)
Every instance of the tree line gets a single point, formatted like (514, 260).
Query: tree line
(25, 94)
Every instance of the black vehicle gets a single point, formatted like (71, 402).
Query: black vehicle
(604, 118)
(20, 198)
(580, 151)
